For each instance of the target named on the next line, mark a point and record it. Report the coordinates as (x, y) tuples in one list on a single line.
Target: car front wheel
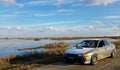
[(94, 59), (113, 54)]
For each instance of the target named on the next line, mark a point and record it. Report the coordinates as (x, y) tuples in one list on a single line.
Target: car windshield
[(87, 44)]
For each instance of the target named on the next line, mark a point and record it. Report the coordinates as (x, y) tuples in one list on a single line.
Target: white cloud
[(11, 2), (18, 28), (7, 15), (5, 28), (11, 28), (51, 28), (43, 14), (41, 2), (7, 1), (91, 27), (98, 22), (111, 17), (18, 31), (51, 2), (20, 5), (117, 21), (71, 2), (60, 1), (65, 10), (117, 29), (48, 29), (53, 31), (98, 2)]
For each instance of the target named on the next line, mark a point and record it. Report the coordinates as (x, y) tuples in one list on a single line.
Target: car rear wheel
[(94, 60)]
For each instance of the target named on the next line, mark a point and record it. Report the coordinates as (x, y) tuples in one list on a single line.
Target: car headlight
[(85, 55)]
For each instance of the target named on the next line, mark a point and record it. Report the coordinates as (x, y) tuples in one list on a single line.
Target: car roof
[(94, 39)]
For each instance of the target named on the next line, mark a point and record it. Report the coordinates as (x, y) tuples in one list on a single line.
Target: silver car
[(90, 51)]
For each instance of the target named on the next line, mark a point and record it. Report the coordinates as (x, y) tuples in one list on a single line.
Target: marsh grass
[(28, 61), (33, 59), (75, 38), (117, 44), (44, 58), (37, 39), (56, 45), (48, 46)]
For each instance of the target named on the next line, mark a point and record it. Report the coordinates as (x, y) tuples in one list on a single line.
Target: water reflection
[(10, 47)]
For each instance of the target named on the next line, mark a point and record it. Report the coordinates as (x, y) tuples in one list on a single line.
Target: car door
[(101, 50), (108, 47)]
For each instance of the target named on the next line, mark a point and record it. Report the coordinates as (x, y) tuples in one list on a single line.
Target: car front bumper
[(73, 58)]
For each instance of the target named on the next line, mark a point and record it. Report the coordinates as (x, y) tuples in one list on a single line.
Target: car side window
[(106, 43), (101, 44)]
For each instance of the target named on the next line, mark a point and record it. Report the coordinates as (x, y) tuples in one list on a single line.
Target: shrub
[(37, 39), (117, 44), (56, 45)]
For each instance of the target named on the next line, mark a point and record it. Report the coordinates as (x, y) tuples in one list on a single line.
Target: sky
[(59, 18)]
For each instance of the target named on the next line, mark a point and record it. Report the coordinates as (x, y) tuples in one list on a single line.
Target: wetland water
[(10, 47)]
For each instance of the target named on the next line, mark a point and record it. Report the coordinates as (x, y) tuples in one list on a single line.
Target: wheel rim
[(113, 54), (95, 60)]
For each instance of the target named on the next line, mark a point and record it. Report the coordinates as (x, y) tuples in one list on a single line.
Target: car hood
[(75, 50)]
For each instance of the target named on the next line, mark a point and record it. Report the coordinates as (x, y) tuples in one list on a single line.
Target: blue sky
[(41, 18)]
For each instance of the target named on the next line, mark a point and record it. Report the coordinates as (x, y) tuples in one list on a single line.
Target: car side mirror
[(77, 45)]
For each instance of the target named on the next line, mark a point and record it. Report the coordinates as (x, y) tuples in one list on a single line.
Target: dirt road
[(105, 64)]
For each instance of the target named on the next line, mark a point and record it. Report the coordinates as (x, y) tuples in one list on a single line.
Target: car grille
[(74, 58), (72, 55)]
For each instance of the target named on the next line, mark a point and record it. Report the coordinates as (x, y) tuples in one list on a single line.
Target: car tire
[(113, 54), (94, 59)]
